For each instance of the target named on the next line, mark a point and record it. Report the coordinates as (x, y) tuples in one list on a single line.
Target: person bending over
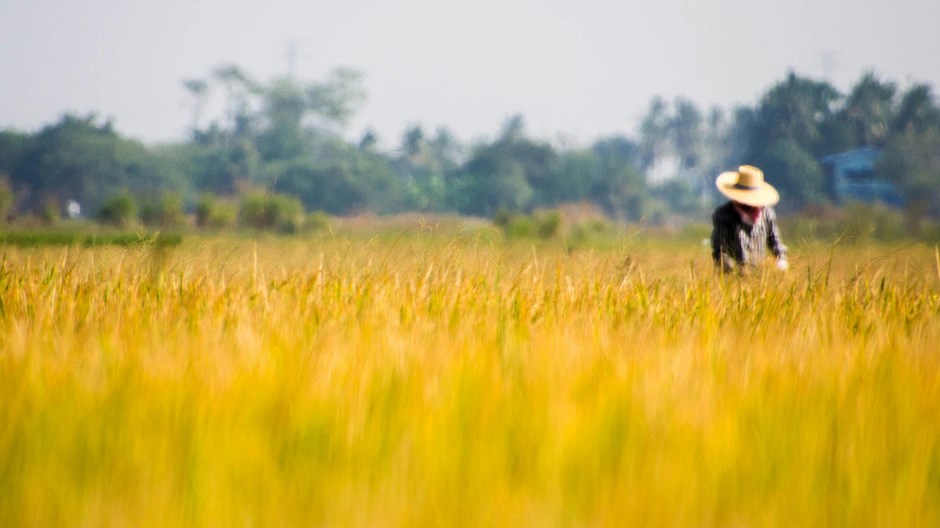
[(746, 226)]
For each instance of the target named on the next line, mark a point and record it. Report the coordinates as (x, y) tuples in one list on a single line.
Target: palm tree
[(199, 90), (795, 109)]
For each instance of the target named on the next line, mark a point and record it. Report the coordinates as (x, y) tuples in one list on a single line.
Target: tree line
[(278, 148)]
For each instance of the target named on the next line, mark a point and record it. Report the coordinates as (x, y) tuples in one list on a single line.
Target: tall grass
[(428, 381)]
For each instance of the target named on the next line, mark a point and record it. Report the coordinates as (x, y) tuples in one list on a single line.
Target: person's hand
[(782, 264)]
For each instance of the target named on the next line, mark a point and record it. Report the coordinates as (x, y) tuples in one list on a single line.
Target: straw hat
[(747, 186)]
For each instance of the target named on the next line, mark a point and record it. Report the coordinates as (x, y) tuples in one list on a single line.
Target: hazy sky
[(577, 69)]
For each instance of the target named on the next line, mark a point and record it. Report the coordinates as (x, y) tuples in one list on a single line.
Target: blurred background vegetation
[(278, 157)]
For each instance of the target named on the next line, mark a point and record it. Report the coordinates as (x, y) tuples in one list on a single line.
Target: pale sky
[(574, 69)]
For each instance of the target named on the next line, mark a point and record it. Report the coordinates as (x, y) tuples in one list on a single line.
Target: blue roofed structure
[(852, 178)]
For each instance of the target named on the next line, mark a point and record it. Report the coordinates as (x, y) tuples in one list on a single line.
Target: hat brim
[(762, 196)]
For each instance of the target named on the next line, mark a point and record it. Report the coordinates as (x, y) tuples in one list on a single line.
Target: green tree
[(911, 160), (165, 211), (576, 171), (720, 145), (618, 184), (80, 159), (513, 173), (445, 153), (321, 188), (212, 212), (240, 88), (12, 147), (7, 199), (678, 195), (740, 139), (868, 111), (415, 168), (369, 141), (917, 111), (267, 123), (283, 136), (423, 166), (224, 168), (686, 130), (654, 133), (119, 210), (796, 110), (335, 100), (489, 185), (198, 89), (413, 143), (263, 210), (795, 173)]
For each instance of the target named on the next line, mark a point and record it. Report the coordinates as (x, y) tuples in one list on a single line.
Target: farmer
[(745, 226)]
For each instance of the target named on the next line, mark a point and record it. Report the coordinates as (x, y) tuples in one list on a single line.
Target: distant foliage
[(119, 210), (167, 211), (70, 238), (541, 224), (912, 160), (216, 213), (262, 210), (289, 136), (83, 160), (855, 223), (50, 212), (6, 198), (796, 173), (316, 221)]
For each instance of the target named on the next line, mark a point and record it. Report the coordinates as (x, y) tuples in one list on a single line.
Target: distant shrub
[(50, 213), (544, 225), (6, 198), (211, 212), (119, 210), (854, 223), (520, 226), (285, 213), (63, 238), (593, 232), (253, 210), (502, 217), (317, 221), (889, 223), (167, 211), (656, 211), (547, 224), (204, 209), (261, 210)]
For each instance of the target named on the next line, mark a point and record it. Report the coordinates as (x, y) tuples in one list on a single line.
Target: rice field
[(462, 380)]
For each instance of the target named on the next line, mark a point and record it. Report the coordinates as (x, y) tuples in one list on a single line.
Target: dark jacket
[(735, 243)]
